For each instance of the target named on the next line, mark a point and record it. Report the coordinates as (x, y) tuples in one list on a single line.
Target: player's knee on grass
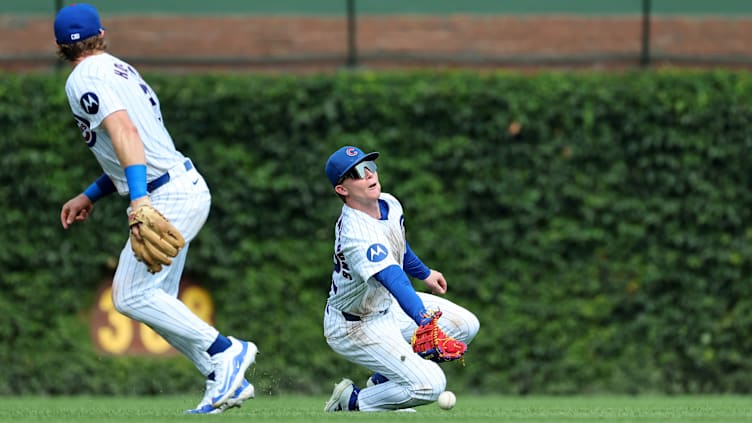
[(428, 388)]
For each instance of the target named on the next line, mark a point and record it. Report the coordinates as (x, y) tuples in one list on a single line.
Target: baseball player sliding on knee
[(372, 266), (121, 122)]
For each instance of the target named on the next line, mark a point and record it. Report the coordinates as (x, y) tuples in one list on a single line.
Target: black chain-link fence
[(295, 35)]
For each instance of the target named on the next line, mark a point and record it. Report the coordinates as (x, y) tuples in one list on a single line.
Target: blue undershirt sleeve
[(413, 265), (396, 281), (102, 187)]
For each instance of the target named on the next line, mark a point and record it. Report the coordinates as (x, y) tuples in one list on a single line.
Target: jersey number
[(340, 266), (155, 107)]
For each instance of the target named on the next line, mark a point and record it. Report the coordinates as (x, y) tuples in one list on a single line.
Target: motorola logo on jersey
[(376, 253), (90, 103)]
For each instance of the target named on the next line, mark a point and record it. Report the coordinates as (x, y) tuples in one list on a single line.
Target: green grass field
[(308, 409)]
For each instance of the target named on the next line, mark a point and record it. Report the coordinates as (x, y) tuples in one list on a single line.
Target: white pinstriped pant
[(381, 343), (152, 298), (376, 343)]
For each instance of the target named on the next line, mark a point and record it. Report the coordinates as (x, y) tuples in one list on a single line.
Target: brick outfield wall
[(321, 44)]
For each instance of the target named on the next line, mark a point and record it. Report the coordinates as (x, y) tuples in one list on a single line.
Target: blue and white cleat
[(229, 369), (244, 392), (205, 406)]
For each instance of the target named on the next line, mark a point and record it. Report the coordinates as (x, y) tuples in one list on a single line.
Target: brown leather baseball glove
[(160, 240)]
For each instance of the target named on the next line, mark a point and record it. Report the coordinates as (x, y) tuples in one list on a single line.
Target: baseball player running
[(120, 118), (372, 261)]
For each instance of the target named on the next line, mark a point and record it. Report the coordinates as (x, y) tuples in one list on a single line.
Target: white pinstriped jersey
[(102, 84), (363, 246)]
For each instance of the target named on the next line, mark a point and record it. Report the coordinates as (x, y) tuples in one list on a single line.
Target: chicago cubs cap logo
[(376, 253), (90, 103), (352, 151)]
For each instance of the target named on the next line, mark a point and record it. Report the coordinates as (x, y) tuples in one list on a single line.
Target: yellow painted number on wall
[(199, 301), (116, 333), (117, 337)]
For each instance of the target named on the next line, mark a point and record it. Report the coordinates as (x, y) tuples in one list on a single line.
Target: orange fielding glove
[(431, 343)]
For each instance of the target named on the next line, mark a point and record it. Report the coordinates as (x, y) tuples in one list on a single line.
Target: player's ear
[(340, 189)]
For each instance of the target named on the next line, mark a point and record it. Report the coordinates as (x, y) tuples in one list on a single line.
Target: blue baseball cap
[(76, 22), (342, 160)]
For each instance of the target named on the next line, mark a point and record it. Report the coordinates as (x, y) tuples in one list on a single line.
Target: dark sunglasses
[(359, 170)]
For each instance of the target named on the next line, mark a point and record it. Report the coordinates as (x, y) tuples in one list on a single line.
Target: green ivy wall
[(599, 225)]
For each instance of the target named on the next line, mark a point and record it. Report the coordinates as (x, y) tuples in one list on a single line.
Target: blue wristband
[(102, 187), (136, 176)]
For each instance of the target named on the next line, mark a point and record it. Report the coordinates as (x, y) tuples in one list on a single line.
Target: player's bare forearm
[(127, 144), (125, 139)]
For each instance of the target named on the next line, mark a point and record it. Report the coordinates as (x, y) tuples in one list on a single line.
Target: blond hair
[(71, 52)]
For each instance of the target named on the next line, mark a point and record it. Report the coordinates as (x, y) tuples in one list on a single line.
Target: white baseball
[(447, 400)]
